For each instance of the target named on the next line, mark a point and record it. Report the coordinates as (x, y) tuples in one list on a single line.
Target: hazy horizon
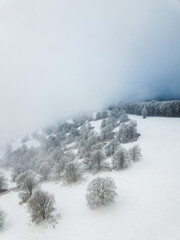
[(59, 58)]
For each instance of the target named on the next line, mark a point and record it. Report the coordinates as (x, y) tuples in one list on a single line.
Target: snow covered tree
[(112, 121), (135, 153), (22, 176), (59, 167), (44, 170), (3, 183), (2, 218), (127, 132), (96, 162), (124, 118), (120, 159), (72, 172), (106, 132), (144, 112), (103, 123), (27, 187), (41, 205), (111, 147), (100, 191)]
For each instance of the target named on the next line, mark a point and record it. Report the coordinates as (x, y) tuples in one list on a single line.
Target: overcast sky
[(60, 57)]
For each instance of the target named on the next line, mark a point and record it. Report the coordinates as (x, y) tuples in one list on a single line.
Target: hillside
[(148, 199)]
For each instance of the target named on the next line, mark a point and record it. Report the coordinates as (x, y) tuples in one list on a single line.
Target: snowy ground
[(147, 206)]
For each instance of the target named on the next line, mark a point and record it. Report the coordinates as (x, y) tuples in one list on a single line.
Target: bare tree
[(41, 205), (27, 188)]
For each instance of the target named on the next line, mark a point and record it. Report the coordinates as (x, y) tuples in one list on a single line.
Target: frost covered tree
[(45, 170), (111, 147), (124, 118), (96, 162), (120, 159), (2, 218), (127, 132), (106, 132), (112, 121), (100, 191), (41, 205), (27, 187), (135, 153), (72, 172), (144, 112), (59, 167), (3, 183), (103, 123), (22, 176)]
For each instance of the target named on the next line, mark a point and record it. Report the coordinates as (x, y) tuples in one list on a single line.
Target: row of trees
[(154, 108)]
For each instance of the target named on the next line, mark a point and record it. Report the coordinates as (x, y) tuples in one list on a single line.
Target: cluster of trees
[(154, 108), (56, 158)]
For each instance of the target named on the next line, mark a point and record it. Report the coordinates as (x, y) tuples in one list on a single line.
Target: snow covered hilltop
[(68, 156)]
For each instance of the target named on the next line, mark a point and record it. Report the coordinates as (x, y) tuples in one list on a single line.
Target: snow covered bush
[(111, 147), (100, 191), (2, 218), (72, 172), (41, 205), (144, 112), (121, 159), (135, 153), (3, 183)]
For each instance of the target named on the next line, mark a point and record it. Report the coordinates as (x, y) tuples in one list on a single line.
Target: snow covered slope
[(147, 206)]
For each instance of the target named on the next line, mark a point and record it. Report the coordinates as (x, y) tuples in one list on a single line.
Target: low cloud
[(58, 58)]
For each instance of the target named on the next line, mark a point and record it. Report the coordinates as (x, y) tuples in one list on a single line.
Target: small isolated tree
[(3, 183), (41, 205), (135, 153), (72, 172), (120, 159), (144, 112), (27, 187), (100, 191), (2, 218)]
